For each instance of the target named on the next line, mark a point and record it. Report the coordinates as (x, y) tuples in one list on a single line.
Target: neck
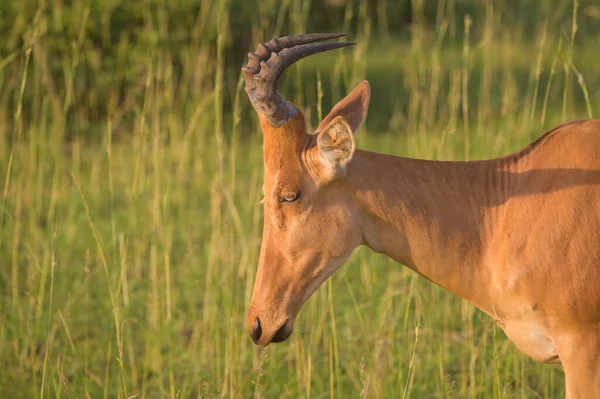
[(434, 217)]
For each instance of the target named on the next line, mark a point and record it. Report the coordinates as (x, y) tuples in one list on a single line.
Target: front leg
[(579, 352)]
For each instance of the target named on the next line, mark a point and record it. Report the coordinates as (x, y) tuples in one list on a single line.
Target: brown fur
[(518, 236)]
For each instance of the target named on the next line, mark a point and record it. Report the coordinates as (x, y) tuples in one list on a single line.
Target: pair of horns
[(268, 62)]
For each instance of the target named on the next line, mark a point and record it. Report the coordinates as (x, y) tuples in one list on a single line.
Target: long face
[(311, 224), (310, 228)]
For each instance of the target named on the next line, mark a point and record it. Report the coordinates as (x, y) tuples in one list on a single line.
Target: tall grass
[(128, 257)]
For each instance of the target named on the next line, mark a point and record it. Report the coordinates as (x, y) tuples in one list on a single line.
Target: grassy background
[(131, 164)]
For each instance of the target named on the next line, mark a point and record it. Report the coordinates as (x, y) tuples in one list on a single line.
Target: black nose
[(256, 331), (283, 333)]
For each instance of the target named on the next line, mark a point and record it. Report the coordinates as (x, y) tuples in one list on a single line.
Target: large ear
[(336, 146), (353, 108)]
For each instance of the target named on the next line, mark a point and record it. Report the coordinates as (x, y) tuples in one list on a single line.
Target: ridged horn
[(267, 63)]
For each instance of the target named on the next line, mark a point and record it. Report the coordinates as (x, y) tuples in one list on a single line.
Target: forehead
[(282, 151), (288, 173)]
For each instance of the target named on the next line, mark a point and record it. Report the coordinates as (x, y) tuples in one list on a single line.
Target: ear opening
[(336, 144), (353, 108)]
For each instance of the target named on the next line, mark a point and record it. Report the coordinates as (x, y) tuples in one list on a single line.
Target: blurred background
[(130, 166)]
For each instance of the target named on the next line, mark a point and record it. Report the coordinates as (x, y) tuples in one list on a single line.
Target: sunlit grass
[(130, 254)]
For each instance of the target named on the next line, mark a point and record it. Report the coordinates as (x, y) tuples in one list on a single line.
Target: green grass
[(128, 253)]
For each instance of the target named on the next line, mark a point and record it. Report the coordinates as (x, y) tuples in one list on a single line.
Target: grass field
[(128, 252)]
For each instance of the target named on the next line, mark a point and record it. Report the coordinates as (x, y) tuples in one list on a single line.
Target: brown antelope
[(517, 236)]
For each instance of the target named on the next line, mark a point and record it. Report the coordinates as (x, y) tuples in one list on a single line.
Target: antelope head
[(311, 226)]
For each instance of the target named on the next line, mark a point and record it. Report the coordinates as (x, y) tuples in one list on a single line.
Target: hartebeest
[(517, 236)]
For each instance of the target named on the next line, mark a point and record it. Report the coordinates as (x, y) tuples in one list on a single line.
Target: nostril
[(283, 333), (256, 331)]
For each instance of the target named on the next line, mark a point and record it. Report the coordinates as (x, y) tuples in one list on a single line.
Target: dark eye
[(290, 197)]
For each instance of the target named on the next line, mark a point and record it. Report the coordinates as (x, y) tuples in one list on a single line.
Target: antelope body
[(517, 236)]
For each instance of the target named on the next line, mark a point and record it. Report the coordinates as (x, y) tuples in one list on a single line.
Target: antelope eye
[(290, 197)]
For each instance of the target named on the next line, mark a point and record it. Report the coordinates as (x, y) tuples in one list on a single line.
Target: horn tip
[(336, 35)]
